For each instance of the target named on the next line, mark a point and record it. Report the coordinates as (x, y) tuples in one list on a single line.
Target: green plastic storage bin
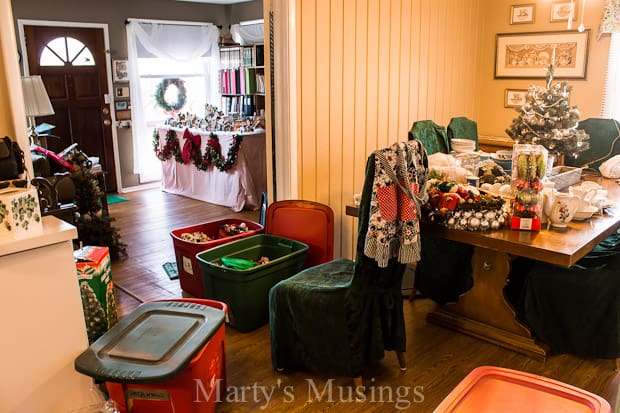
[(246, 291)]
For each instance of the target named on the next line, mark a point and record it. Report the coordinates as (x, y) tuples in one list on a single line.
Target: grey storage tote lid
[(152, 344)]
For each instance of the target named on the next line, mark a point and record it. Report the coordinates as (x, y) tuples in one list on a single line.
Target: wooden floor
[(437, 358)]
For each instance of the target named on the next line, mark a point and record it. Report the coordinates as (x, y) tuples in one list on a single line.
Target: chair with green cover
[(463, 128), (433, 136), (604, 143), (338, 317)]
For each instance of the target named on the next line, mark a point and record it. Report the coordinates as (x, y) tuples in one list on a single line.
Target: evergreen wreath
[(160, 92), (171, 147), (213, 157)]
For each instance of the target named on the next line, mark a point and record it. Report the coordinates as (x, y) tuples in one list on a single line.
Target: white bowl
[(585, 213)]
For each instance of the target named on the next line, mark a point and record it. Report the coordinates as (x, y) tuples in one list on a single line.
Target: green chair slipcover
[(576, 310), (433, 137), (336, 318), (462, 128), (604, 142)]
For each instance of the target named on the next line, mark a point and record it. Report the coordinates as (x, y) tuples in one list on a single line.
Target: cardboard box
[(20, 214), (94, 272)]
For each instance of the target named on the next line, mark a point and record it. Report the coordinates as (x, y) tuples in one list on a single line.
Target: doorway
[(73, 64)]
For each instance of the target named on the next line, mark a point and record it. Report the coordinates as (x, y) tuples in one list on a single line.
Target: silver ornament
[(451, 222), (474, 223), (484, 225), (495, 224), (478, 215), (463, 222), (490, 215), (467, 214), (501, 220)]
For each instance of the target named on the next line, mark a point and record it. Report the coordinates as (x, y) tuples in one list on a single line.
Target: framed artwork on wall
[(514, 98), (562, 10), (522, 13), (119, 68), (528, 55)]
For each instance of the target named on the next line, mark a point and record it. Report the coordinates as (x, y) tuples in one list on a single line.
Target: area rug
[(115, 199), (171, 270)]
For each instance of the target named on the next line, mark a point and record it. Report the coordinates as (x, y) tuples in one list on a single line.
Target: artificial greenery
[(212, 155), (548, 119), (162, 88), (94, 227)]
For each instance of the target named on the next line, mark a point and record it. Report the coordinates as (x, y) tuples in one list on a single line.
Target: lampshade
[(36, 101)]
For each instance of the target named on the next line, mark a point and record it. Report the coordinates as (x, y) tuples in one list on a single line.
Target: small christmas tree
[(547, 119), (94, 227)]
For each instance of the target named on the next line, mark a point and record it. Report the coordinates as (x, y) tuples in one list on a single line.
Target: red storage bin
[(185, 251), (176, 365), (495, 389)]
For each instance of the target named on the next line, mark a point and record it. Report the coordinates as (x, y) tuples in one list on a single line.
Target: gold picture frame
[(522, 13), (560, 11), (514, 98), (528, 55)]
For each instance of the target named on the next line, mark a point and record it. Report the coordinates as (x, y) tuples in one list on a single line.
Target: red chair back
[(306, 221)]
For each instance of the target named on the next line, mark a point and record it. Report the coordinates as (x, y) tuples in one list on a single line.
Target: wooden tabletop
[(557, 246)]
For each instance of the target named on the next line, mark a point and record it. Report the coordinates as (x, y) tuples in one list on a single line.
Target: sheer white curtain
[(248, 34), (173, 49), (611, 96)]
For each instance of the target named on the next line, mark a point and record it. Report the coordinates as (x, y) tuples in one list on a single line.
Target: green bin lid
[(152, 344)]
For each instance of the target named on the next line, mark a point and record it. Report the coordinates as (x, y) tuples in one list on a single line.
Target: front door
[(72, 64)]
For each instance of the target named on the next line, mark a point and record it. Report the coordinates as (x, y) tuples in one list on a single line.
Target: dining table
[(239, 187), (484, 311)]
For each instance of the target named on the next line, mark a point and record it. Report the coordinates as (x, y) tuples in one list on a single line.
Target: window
[(66, 50), (175, 50)]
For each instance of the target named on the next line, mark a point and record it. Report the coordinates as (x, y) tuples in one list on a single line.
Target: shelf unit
[(242, 79)]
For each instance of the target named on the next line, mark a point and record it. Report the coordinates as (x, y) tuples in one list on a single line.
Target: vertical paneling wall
[(366, 70)]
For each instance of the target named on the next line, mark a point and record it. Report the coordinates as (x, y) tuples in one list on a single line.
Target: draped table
[(483, 311), (240, 186)]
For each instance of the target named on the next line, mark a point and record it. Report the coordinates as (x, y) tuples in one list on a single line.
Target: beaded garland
[(160, 92), (211, 157)]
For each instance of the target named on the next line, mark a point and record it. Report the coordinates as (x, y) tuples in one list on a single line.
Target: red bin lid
[(495, 389), (152, 344)]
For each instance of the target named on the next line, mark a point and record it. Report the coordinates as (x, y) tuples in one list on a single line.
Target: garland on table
[(160, 92), (171, 147), (191, 150), (213, 156)]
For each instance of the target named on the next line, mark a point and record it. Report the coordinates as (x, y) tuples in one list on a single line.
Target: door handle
[(107, 122), (106, 111)]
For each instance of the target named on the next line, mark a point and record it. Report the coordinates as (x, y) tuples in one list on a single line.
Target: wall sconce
[(37, 103)]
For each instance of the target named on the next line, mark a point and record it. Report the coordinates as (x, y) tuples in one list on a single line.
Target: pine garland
[(211, 157)]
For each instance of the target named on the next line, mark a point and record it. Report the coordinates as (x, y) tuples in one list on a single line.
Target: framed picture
[(121, 105), (119, 68), (522, 13), (514, 98), (562, 10), (528, 55), (121, 92)]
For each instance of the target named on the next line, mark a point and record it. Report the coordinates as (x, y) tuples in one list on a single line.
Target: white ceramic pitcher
[(560, 207)]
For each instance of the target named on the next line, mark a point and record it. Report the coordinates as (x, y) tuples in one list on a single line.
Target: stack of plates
[(463, 145)]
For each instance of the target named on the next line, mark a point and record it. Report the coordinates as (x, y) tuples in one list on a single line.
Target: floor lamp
[(37, 103)]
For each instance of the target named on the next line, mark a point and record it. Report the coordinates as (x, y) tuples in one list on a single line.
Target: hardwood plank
[(437, 358)]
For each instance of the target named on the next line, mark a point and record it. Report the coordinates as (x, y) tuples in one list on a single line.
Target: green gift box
[(94, 272)]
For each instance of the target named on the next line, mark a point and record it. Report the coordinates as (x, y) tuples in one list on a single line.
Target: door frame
[(108, 65)]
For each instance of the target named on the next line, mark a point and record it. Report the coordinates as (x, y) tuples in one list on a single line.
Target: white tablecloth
[(239, 187)]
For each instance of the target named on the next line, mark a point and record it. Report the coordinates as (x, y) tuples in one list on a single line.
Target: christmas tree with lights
[(546, 118)]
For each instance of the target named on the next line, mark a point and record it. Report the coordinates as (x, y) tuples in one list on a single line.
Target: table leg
[(484, 312)]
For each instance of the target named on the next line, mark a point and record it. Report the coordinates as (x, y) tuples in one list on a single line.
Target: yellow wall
[(367, 70), (492, 117), (12, 112)]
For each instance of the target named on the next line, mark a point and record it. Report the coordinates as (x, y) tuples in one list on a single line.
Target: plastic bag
[(98, 404), (611, 167)]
